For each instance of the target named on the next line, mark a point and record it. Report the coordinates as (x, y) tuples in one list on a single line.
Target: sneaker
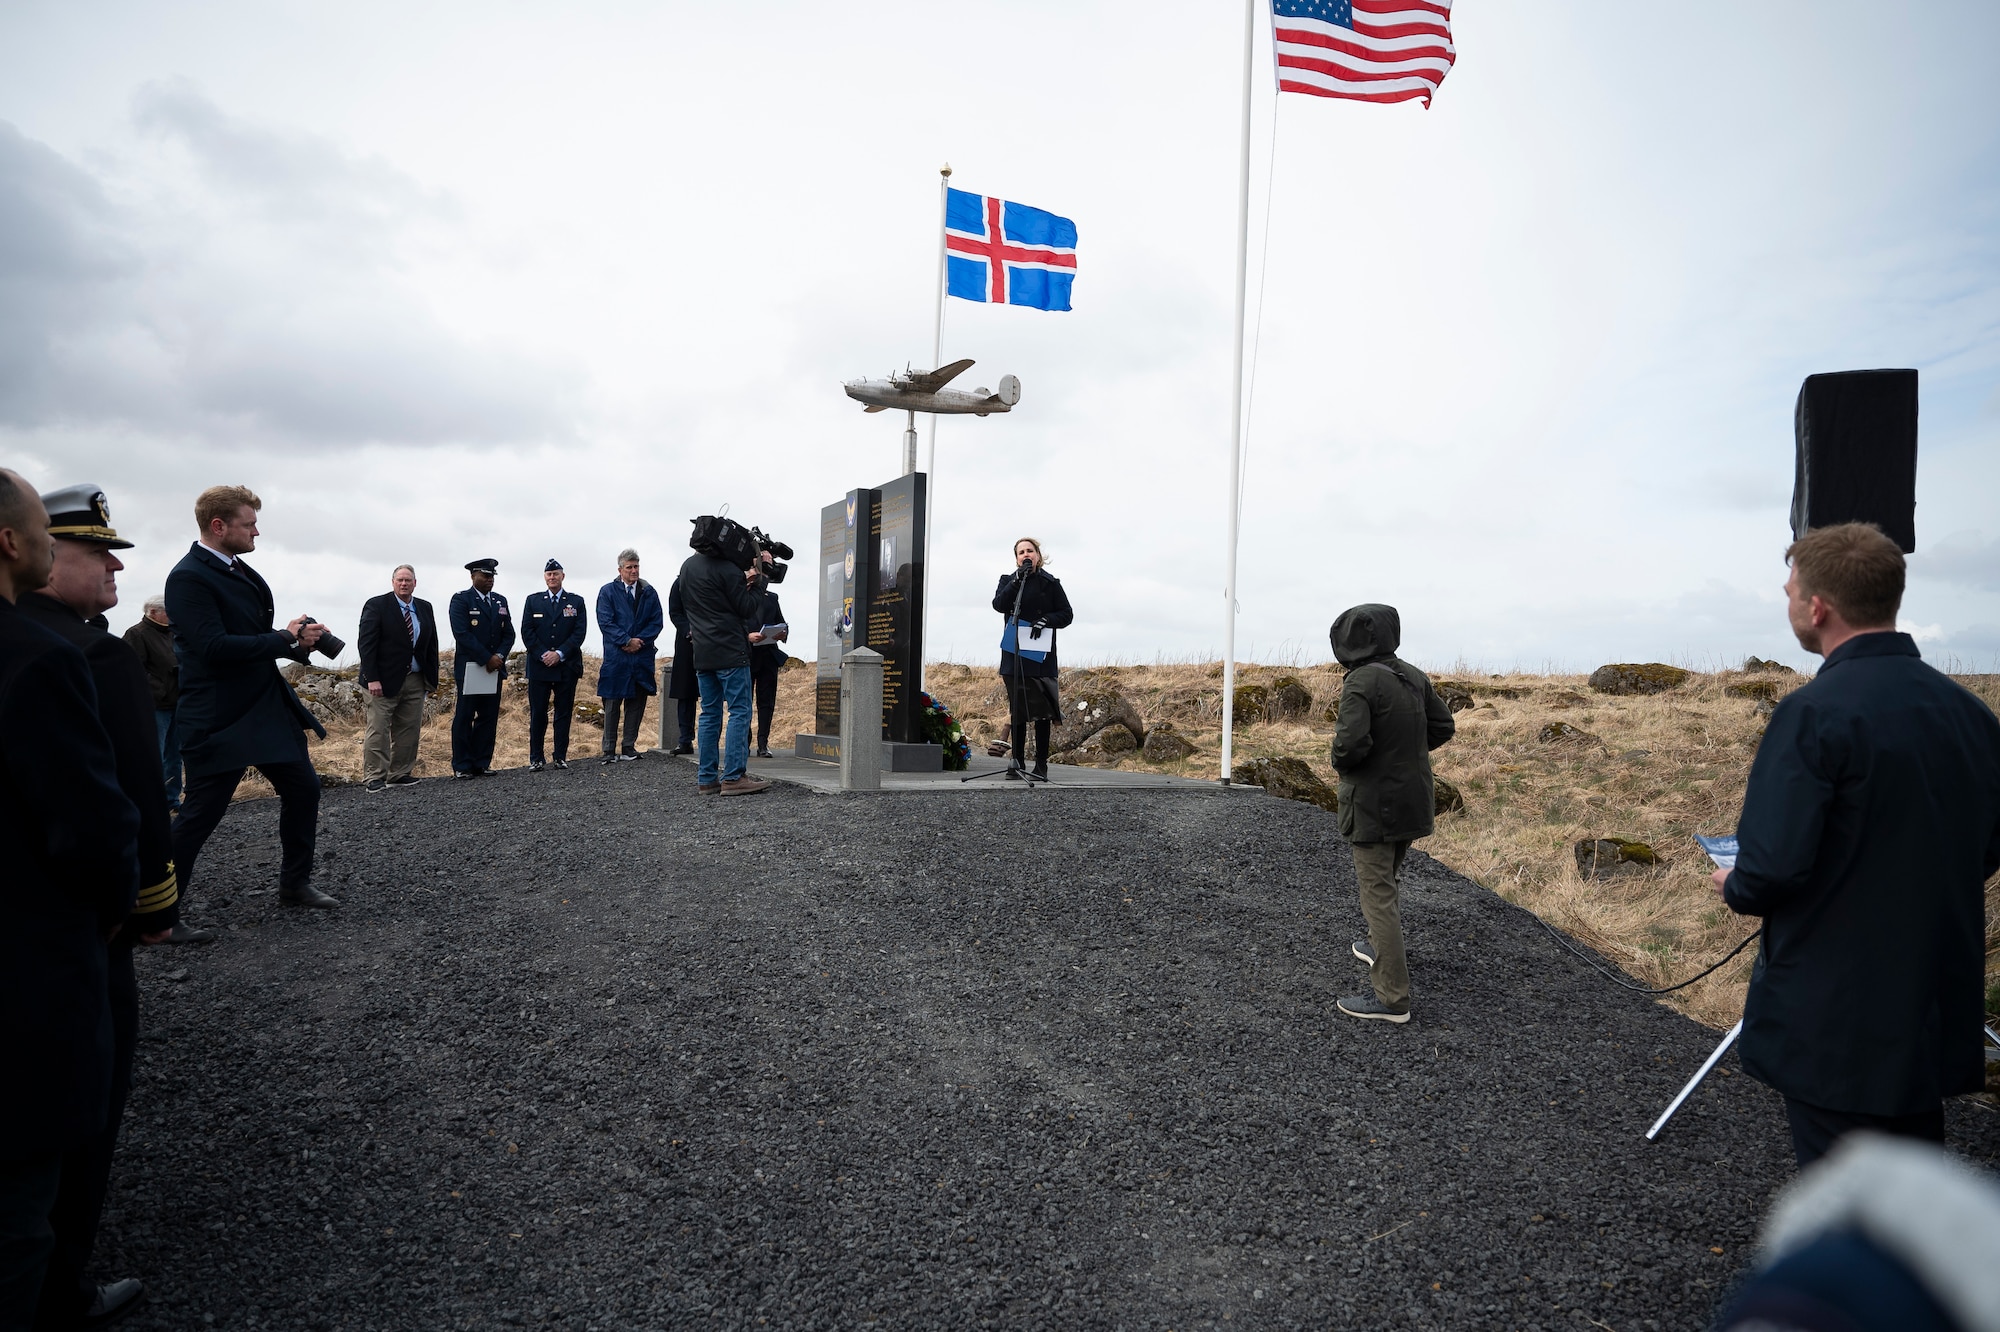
[(609, 758), (376, 784), (626, 758), (535, 766), (1368, 1006), (404, 780), (1362, 950), (562, 765), (745, 785)]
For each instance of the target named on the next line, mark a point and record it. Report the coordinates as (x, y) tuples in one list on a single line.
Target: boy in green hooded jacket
[(1390, 719)]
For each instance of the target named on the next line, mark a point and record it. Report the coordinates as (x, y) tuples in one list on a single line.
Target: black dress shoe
[(536, 766), (112, 1302), (763, 753), (184, 933), (682, 749), (463, 775), (307, 896), (563, 764), (1042, 769)]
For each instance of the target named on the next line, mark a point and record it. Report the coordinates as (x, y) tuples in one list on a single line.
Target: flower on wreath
[(942, 729)]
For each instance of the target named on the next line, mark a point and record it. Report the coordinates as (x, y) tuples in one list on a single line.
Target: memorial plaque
[(843, 572), (893, 598)]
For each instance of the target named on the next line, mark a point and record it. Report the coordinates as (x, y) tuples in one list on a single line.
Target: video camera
[(739, 545), (776, 549)]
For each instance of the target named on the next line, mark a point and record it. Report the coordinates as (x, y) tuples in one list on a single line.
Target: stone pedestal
[(861, 720)]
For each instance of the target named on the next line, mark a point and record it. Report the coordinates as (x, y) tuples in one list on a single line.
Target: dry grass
[(1659, 770)]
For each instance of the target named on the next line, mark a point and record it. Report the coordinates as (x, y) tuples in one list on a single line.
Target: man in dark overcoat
[(554, 624), (236, 710), (681, 685), (630, 616), (1870, 825), (1390, 719), (72, 875), (482, 628), (82, 586), (152, 638)]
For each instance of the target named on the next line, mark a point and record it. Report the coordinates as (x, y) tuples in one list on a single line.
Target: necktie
[(410, 623)]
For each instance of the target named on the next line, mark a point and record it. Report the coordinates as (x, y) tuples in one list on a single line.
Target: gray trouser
[(1376, 865), (634, 712), (395, 724)]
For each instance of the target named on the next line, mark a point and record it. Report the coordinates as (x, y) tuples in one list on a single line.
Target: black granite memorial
[(871, 567)]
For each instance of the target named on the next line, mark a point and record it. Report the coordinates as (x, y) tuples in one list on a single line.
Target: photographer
[(725, 605), (235, 709), (1870, 825), (1044, 606)]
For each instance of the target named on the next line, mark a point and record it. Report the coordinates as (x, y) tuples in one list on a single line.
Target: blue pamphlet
[(1024, 638), (1721, 850)]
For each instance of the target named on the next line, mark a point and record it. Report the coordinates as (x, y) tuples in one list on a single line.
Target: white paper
[(1024, 634), (480, 680)]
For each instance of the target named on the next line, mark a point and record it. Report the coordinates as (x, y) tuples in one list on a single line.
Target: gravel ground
[(587, 1051)]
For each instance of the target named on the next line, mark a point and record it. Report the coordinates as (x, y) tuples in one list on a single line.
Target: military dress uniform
[(552, 622), (482, 628)]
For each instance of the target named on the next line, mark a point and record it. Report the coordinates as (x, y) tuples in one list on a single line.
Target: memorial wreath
[(942, 729)]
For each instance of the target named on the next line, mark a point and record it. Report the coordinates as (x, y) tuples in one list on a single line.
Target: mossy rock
[(1164, 744), (1567, 698), (1252, 705), (1562, 733), (1289, 698), (1115, 740), (1288, 779), (1600, 857), (795, 664), (1764, 690), (1754, 664), (1650, 677), (1446, 796), (1456, 695), (1089, 706), (590, 711)]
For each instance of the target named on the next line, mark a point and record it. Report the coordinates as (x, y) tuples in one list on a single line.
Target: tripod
[(1015, 768)]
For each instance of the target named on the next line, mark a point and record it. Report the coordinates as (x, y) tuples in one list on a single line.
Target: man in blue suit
[(235, 709), (483, 629), (553, 625)]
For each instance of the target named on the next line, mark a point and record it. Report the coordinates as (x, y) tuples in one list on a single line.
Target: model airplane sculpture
[(925, 391)]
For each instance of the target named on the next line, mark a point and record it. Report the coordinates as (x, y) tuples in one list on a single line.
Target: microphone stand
[(1020, 771)]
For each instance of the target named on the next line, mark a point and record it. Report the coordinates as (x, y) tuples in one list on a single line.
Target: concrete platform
[(825, 778)]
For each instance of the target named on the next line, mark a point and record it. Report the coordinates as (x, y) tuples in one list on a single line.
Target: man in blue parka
[(482, 627), (631, 617), (1870, 826)]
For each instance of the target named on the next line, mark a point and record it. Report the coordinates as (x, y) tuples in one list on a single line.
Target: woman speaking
[(1028, 658)]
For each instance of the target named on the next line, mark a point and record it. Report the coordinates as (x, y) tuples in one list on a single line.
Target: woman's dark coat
[(1043, 601), (1390, 719), (1870, 826), (681, 682)]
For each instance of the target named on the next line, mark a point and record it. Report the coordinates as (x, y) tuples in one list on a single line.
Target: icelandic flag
[(1007, 253)]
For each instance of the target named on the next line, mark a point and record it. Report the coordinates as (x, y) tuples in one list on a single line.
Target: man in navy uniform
[(72, 836), (483, 629), (553, 625), (83, 584), (236, 709)]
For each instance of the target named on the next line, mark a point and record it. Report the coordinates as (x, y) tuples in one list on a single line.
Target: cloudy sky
[(457, 280)]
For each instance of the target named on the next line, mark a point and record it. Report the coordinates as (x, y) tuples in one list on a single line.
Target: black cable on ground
[(1618, 978)]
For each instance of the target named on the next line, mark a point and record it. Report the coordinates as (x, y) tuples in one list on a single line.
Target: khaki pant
[(1376, 867), (395, 723)]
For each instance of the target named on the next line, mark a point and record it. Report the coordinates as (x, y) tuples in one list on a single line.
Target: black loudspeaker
[(1857, 453)]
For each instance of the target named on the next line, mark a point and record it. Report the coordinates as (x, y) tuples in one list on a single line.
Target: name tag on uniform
[(536, 616)]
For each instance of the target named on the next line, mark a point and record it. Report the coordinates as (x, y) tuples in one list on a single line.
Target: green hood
[(1363, 633)]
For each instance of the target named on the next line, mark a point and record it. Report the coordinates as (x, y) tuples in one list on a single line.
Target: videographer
[(725, 605), (235, 709), (1870, 825), (1044, 606)]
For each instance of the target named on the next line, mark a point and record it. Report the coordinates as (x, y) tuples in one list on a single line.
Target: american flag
[(1369, 50)]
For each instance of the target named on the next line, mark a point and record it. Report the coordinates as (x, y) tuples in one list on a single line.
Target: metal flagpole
[(1236, 406), (937, 359)]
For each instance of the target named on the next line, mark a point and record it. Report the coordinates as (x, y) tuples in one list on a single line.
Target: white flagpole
[(1236, 407), (937, 359)]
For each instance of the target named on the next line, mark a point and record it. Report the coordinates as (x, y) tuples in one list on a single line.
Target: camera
[(328, 646), (776, 549)]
